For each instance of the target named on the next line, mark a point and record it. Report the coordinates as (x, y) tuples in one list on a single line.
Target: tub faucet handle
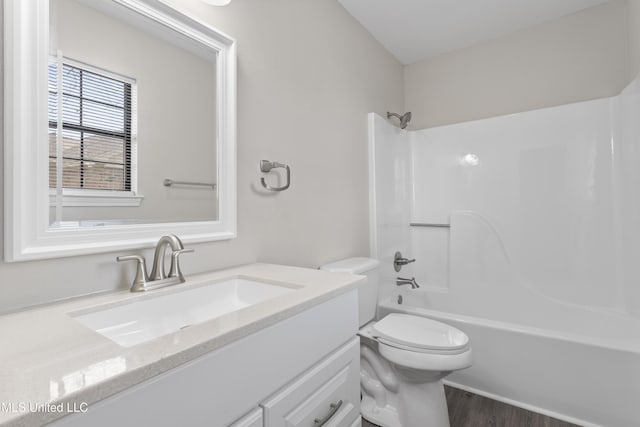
[(399, 261)]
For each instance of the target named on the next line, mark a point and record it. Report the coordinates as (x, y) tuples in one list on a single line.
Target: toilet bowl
[(403, 359)]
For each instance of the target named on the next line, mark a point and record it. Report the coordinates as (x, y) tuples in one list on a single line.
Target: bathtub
[(582, 379)]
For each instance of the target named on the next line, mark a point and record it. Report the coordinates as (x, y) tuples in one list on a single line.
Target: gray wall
[(633, 15), (307, 76), (575, 58)]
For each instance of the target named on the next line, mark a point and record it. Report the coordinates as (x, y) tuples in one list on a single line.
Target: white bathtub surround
[(55, 359), (403, 358), (541, 250), (390, 176)]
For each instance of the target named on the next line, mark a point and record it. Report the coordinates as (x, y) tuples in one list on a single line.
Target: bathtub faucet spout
[(402, 281)]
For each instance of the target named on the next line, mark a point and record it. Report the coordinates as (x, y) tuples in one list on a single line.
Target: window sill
[(91, 198)]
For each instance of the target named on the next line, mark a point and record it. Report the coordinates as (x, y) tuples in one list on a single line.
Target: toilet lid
[(419, 332)]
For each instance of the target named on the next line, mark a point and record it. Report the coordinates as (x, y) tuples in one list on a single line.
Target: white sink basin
[(143, 320)]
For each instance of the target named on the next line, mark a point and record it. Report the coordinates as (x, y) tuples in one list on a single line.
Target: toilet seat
[(420, 334), (419, 350), (420, 343)]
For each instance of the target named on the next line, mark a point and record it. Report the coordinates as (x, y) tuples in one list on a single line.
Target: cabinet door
[(327, 395), (252, 419)]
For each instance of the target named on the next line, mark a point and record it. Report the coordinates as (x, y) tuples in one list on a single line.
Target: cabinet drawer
[(327, 395)]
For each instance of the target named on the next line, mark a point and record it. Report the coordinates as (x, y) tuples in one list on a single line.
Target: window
[(97, 116)]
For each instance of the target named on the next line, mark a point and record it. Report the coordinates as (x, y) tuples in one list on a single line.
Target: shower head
[(404, 119)]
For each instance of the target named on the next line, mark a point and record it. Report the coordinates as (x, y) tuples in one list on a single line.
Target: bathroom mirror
[(119, 127)]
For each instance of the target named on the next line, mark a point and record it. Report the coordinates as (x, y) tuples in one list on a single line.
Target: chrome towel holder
[(266, 166)]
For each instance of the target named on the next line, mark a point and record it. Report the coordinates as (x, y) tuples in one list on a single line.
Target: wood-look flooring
[(471, 410)]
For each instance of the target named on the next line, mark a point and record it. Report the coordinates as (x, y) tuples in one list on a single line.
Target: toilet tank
[(367, 292)]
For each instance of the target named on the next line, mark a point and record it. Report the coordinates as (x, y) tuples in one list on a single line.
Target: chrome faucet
[(158, 278), (177, 249), (402, 281)]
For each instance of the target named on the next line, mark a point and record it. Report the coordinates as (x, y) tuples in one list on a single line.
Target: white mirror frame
[(26, 196)]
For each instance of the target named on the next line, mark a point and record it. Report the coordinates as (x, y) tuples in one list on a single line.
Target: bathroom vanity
[(289, 360)]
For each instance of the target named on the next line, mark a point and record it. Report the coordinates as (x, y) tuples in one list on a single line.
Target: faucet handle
[(175, 271), (140, 281), (399, 261)]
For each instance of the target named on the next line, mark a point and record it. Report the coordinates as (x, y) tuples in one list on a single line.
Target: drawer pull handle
[(333, 408)]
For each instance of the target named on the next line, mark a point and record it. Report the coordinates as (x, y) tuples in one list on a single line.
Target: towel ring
[(266, 166)]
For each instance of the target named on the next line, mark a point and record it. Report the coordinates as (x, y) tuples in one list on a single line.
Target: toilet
[(403, 358)]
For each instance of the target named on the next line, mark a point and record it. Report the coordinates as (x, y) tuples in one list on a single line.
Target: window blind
[(96, 130)]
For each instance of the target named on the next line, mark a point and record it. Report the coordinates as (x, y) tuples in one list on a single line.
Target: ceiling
[(413, 30)]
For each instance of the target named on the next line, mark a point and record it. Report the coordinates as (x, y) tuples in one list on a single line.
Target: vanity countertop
[(49, 359)]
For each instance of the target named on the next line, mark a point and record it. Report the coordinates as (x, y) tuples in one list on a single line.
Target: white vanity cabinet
[(287, 374), (326, 395)]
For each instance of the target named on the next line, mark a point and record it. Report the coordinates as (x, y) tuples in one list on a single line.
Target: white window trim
[(77, 197), (97, 70), (82, 197)]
